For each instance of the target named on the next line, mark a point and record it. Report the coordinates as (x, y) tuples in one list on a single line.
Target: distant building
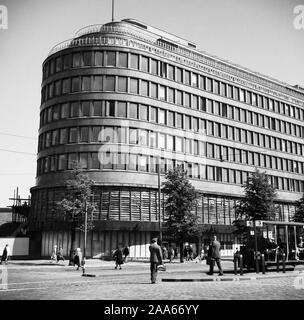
[(119, 95)]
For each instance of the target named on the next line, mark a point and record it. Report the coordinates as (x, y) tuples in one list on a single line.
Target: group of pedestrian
[(57, 255), (120, 255), (188, 252)]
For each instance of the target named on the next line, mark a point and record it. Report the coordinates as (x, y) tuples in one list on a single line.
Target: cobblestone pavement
[(133, 282)]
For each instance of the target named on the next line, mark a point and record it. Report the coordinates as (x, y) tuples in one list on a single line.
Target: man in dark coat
[(215, 256), (155, 258)]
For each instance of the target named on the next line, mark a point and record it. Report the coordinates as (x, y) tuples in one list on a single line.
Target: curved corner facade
[(121, 97)]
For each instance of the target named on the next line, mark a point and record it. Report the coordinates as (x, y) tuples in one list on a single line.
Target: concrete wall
[(17, 246)]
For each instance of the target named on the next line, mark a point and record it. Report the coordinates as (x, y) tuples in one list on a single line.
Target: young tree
[(258, 201), (76, 204), (299, 214), (181, 223)]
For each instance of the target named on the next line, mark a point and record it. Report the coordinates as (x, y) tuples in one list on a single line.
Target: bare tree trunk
[(73, 243), (181, 250)]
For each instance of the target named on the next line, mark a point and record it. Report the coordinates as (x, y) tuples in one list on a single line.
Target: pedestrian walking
[(54, 254), (5, 254), (60, 254), (118, 256), (190, 250), (214, 255), (78, 258), (171, 254), (155, 258), (164, 252), (126, 252)]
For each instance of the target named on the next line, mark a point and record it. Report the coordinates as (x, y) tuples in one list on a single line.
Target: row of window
[(143, 163), (130, 110), (146, 88), (162, 69), (98, 134)]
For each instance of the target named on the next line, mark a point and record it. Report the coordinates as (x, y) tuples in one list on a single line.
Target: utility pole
[(85, 234)]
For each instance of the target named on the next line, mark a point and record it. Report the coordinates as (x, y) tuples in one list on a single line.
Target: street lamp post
[(159, 206), (85, 234), (256, 248)]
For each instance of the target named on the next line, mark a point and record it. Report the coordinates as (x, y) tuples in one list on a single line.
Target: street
[(58, 281)]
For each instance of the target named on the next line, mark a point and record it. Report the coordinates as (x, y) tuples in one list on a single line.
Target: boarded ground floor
[(101, 244)]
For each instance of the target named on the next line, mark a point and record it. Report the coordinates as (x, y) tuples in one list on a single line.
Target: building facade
[(122, 96)]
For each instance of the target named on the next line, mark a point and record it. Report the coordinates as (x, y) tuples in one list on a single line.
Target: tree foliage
[(77, 199), (257, 203), (181, 222), (299, 214)]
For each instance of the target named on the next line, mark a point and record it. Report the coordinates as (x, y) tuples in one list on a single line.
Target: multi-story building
[(120, 96)]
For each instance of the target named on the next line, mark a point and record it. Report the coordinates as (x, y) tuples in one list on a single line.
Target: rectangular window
[(73, 137), (216, 88), (162, 93), (144, 65), (62, 162), (194, 80), (95, 134), (122, 109), (111, 108), (97, 83), (144, 88), (98, 58), (86, 83), (134, 61), (143, 112), (58, 88), (209, 84), (122, 84), (152, 138), (76, 60), (161, 116), (171, 118), (84, 134), (195, 102), (75, 84), (143, 163), (97, 108), (66, 62), (179, 75), (153, 90), (133, 111), (179, 97), (85, 108), (178, 144), (170, 145), (64, 111), (161, 141), (187, 77), (187, 100), (109, 84), (153, 114), (110, 59), (63, 136), (154, 66), (95, 164), (171, 72), (171, 95), (143, 137), (187, 122), (179, 120), (133, 136), (65, 86), (75, 106), (87, 58), (134, 86), (122, 59)]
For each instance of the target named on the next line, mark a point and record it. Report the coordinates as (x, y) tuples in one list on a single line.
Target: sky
[(259, 35)]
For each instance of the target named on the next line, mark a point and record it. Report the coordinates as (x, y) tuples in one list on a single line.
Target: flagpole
[(112, 10)]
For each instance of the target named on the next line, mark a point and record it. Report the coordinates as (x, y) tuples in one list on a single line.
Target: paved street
[(58, 281)]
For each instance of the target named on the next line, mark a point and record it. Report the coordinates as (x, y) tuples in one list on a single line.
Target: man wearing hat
[(155, 258)]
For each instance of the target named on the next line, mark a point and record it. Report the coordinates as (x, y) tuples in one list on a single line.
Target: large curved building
[(120, 96)]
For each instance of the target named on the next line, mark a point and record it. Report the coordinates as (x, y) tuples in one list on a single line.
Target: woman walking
[(118, 256)]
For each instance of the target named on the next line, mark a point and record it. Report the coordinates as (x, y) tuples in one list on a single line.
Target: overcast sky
[(256, 34)]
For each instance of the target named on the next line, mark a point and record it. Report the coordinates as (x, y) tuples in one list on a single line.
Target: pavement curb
[(240, 278)]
